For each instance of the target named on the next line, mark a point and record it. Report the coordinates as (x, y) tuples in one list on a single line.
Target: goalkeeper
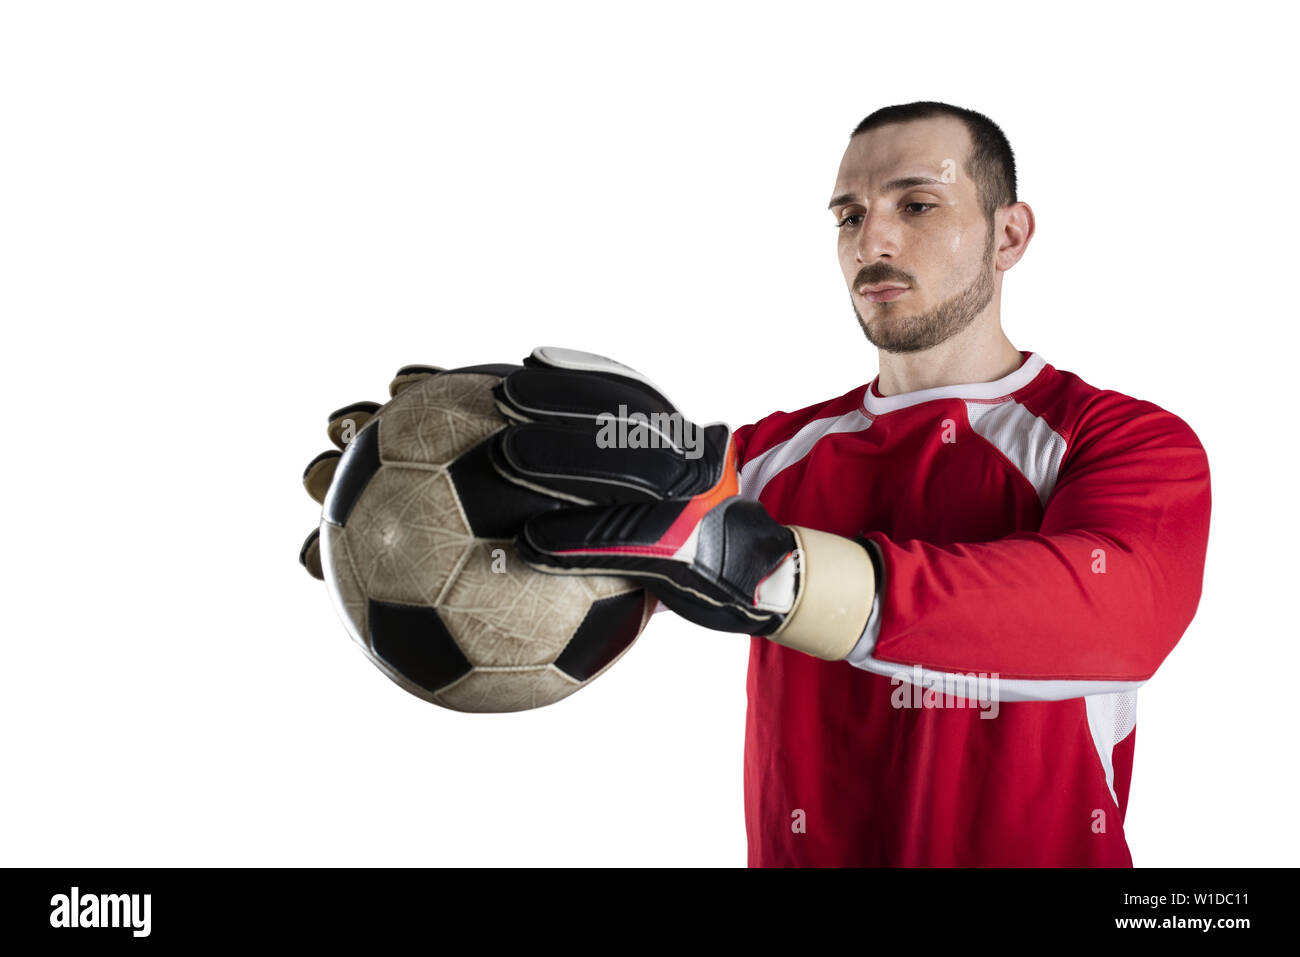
[(957, 575)]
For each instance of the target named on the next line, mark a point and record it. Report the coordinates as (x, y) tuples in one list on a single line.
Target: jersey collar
[(876, 404)]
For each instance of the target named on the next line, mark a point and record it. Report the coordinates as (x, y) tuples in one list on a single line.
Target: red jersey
[(1040, 545)]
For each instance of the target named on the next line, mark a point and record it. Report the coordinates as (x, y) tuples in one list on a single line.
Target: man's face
[(913, 233)]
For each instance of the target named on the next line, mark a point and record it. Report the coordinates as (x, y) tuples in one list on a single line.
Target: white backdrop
[(220, 221)]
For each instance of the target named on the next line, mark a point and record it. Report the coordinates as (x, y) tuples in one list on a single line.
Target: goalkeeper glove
[(657, 499)]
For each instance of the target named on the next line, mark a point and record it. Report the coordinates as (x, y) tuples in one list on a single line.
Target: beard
[(927, 330)]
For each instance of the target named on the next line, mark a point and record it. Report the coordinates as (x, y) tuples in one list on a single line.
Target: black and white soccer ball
[(416, 548)]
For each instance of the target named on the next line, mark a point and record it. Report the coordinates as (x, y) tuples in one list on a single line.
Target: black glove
[(659, 503)]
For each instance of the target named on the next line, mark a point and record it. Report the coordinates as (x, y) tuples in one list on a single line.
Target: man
[(1030, 526), (957, 575)]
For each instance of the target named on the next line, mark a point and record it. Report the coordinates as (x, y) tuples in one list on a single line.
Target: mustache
[(877, 273)]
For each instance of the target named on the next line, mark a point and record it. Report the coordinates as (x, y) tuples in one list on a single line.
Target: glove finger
[(346, 422), (607, 538), (643, 542), (566, 395), (408, 376), (610, 464), (552, 357), (638, 535), (309, 555), (319, 473)]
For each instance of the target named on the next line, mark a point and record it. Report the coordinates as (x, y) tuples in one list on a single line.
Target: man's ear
[(1015, 227)]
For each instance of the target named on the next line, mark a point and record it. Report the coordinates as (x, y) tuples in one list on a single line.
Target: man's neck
[(975, 355)]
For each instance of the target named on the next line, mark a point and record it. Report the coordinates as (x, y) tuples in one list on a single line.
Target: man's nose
[(877, 238)]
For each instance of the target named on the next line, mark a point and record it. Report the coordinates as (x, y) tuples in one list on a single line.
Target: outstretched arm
[(1092, 602), (1089, 603)]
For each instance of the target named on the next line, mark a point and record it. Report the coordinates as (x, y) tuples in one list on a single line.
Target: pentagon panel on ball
[(416, 546)]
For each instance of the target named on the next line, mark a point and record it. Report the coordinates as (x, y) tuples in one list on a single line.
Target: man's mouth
[(881, 293)]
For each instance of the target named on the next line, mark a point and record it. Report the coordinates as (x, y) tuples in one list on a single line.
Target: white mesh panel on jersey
[(1025, 439), (1111, 719)]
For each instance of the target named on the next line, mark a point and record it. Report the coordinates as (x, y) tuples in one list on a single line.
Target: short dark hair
[(991, 164)]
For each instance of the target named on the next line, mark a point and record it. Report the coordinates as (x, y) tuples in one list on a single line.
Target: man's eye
[(846, 221), (920, 212)]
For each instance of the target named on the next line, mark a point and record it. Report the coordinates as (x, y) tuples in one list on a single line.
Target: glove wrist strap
[(837, 588)]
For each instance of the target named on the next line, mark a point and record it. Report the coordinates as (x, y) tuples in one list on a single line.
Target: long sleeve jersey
[(1039, 546)]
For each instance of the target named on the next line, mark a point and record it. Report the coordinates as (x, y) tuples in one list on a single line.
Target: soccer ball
[(416, 547)]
